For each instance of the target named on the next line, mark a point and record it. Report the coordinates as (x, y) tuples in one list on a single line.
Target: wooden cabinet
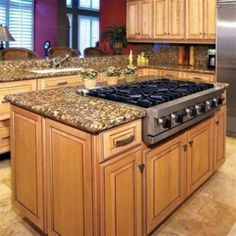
[(121, 195), (27, 165), (201, 19), (201, 77), (153, 72), (220, 138), (169, 16), (200, 154), (170, 73), (69, 180), (165, 173), (11, 88), (140, 19), (4, 136), (56, 82)]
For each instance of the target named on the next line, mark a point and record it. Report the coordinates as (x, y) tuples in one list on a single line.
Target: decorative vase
[(90, 83), (111, 80), (130, 77)]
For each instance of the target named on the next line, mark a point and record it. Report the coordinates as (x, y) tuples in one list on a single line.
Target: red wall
[(112, 12), (45, 24)]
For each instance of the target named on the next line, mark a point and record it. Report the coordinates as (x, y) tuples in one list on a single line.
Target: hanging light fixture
[(5, 36)]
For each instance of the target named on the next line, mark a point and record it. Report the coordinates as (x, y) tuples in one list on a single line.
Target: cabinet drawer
[(11, 88), (201, 77), (152, 72), (170, 73), (56, 82), (120, 139), (4, 136)]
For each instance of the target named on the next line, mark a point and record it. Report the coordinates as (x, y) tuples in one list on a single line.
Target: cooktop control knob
[(164, 122), (178, 117), (200, 108), (191, 112), (209, 104)]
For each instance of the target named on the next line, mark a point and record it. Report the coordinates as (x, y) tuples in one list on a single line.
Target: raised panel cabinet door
[(200, 155), (133, 17), (160, 19), (69, 180), (209, 19), (27, 164), (121, 196), (164, 181), (194, 19), (146, 19), (177, 19), (220, 138)]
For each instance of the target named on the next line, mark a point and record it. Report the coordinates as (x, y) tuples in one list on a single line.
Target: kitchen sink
[(54, 71)]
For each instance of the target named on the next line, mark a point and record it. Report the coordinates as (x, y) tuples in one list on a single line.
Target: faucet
[(56, 62)]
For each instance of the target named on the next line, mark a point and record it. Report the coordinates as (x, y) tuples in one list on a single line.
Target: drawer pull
[(6, 137), (4, 101), (197, 78), (124, 142), (168, 75), (185, 147), (62, 83)]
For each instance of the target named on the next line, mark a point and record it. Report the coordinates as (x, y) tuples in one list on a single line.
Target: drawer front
[(11, 88), (200, 77), (57, 82), (4, 136), (153, 72), (170, 73), (120, 139)]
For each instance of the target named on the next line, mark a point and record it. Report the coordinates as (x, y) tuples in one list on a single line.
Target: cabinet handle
[(124, 142), (4, 101), (191, 143), (6, 137), (141, 168), (169, 75), (62, 83), (197, 78), (185, 147), (217, 122)]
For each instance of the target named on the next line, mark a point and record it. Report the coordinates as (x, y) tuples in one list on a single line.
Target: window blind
[(88, 32), (18, 16)]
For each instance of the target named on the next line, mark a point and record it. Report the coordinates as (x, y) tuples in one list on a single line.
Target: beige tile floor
[(211, 211)]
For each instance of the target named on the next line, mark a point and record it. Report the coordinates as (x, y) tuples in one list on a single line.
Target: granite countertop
[(89, 114)]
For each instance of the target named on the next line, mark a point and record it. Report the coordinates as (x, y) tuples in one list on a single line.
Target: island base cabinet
[(69, 180), (200, 154), (27, 165), (164, 181), (121, 195)]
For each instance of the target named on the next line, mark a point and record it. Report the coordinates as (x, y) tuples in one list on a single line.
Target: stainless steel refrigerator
[(226, 56)]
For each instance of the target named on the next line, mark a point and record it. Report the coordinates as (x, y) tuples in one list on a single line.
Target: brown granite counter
[(92, 115)]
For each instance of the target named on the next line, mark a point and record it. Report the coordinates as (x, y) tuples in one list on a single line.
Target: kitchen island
[(80, 167)]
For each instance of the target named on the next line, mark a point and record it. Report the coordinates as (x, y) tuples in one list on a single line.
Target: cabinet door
[(200, 155), (133, 19), (164, 181), (177, 19), (146, 19), (121, 206), (194, 20), (161, 19), (209, 19), (27, 165), (220, 138), (69, 180)]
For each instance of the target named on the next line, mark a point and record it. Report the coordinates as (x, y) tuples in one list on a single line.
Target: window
[(89, 4), (18, 16), (70, 17), (88, 32), (69, 3)]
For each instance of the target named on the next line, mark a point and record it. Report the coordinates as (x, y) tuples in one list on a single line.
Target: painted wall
[(45, 22)]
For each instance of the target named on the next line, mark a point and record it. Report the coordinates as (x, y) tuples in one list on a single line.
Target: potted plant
[(130, 73), (89, 76), (112, 74), (116, 36)]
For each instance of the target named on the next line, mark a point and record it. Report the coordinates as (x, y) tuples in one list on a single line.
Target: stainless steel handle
[(62, 83), (124, 142)]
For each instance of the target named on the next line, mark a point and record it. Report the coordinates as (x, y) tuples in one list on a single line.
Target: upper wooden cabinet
[(140, 19), (169, 18), (201, 19)]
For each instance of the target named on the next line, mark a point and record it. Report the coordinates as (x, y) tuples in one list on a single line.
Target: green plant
[(130, 69), (88, 74), (113, 71), (116, 36)]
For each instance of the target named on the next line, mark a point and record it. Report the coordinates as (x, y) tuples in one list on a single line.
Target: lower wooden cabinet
[(27, 165), (4, 136), (165, 184), (69, 180), (200, 154), (220, 138)]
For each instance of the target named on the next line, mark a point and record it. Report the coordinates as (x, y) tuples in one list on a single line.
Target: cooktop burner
[(149, 93)]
